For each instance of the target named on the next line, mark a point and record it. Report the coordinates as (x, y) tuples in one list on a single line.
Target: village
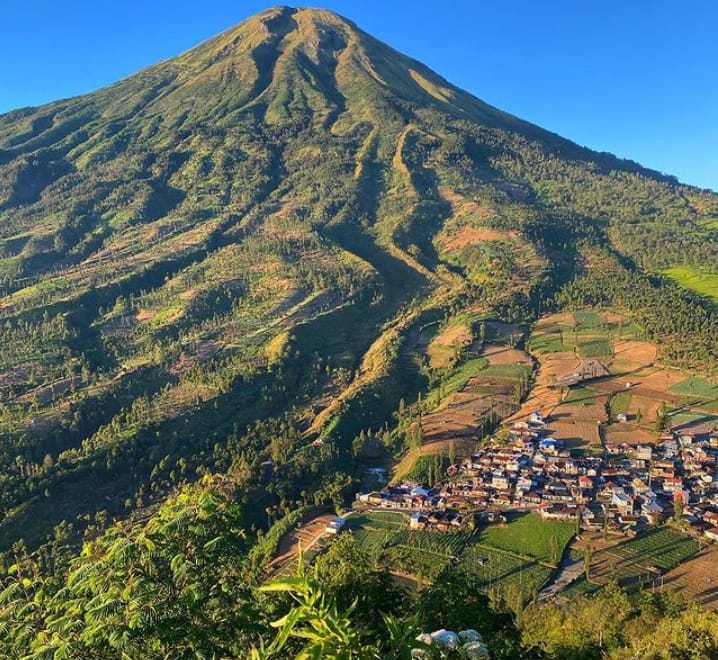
[(626, 489)]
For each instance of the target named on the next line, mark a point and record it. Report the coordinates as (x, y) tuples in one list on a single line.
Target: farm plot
[(479, 388), (644, 558), (527, 535), (420, 553), (588, 319), (415, 563), (625, 434), (577, 434), (697, 389), (449, 544), (696, 579), (498, 355), (700, 280), (489, 569)]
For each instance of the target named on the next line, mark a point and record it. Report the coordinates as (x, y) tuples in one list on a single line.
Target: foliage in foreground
[(179, 585)]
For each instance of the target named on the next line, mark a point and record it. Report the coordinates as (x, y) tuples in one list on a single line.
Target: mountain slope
[(257, 230)]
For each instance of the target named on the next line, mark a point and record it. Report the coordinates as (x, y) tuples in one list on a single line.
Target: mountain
[(228, 258)]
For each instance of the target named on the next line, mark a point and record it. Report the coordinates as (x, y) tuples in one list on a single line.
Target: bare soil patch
[(465, 235), (621, 434), (552, 367), (196, 353), (577, 434), (441, 348), (464, 447), (145, 315), (696, 580), (288, 547), (640, 353), (45, 393), (497, 355)]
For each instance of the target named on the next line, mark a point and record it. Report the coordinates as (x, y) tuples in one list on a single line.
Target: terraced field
[(491, 569), (644, 558), (522, 553), (528, 535)]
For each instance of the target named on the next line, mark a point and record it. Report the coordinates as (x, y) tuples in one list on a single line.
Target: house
[(623, 502), (335, 525), (712, 533), (644, 452), (536, 419), (417, 521), (652, 511)]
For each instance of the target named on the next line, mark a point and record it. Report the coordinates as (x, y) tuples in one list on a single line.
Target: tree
[(678, 507), (587, 555)]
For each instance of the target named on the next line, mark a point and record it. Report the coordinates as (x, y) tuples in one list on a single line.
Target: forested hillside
[(225, 263)]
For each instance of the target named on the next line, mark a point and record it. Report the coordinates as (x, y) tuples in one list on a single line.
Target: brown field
[(305, 537), (197, 353), (640, 353), (660, 380), (597, 541), (45, 393), (504, 355), (462, 206), (461, 414), (552, 366), (590, 411), (577, 434), (629, 435), (464, 235), (441, 348), (463, 446), (696, 580)]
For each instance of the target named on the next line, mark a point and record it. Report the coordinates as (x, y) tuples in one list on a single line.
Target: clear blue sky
[(634, 77)]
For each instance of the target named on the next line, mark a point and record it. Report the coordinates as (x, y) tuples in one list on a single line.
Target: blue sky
[(633, 77)]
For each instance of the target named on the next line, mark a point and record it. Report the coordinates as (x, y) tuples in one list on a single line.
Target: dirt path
[(306, 536)]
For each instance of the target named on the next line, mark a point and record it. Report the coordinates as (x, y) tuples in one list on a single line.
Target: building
[(335, 525)]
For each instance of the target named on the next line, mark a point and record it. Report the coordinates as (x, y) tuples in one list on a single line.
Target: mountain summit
[(226, 262)]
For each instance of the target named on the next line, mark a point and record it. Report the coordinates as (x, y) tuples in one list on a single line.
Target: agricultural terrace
[(621, 407), (527, 535), (643, 559), (700, 280), (489, 569), (482, 380), (695, 580), (523, 552)]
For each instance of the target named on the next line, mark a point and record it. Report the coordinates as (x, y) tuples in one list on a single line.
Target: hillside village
[(627, 489)]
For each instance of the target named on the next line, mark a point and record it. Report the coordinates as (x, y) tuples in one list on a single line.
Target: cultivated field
[(523, 552), (643, 559), (482, 387), (488, 569), (527, 535), (696, 580)]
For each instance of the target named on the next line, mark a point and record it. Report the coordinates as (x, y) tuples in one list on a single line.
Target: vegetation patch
[(619, 404), (696, 279), (490, 570), (527, 535), (643, 558), (588, 319), (696, 387)]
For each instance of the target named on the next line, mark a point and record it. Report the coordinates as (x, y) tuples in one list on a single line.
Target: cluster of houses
[(627, 488)]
